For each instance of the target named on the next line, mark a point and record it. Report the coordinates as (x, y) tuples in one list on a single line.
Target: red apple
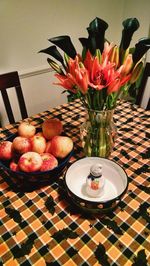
[(30, 162), (21, 145), (26, 130), (49, 162), (38, 144), (48, 145), (5, 150), (14, 166), (52, 127), (61, 146)]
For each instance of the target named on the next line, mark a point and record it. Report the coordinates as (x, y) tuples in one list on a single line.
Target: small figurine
[(95, 181)]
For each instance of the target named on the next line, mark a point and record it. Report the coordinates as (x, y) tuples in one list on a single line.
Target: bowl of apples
[(34, 157)]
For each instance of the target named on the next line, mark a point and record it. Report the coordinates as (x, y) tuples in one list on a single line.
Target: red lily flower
[(88, 61), (65, 82), (115, 85), (93, 73), (118, 83), (108, 50), (127, 65), (100, 75), (77, 76)]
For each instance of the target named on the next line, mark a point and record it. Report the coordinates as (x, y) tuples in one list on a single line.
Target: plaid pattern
[(36, 237)]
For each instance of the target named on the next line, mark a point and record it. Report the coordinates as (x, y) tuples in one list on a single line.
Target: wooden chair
[(144, 80), (7, 81)]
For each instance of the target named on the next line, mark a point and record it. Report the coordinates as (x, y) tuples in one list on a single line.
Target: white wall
[(140, 10), (25, 26)]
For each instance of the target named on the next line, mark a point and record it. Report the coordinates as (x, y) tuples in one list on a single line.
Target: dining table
[(33, 232)]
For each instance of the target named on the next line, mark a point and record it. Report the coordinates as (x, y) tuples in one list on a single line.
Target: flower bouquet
[(100, 77)]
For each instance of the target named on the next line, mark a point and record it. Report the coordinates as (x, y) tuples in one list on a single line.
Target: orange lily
[(137, 70), (77, 76), (127, 65), (108, 49), (100, 75), (118, 83), (65, 82), (115, 85)]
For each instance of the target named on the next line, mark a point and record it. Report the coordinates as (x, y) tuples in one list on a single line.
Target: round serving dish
[(116, 184), (33, 180)]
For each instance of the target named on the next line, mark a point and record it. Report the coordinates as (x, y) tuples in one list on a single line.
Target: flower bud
[(66, 57), (124, 55), (112, 55), (127, 65), (55, 66), (81, 65), (114, 58), (98, 55), (136, 72)]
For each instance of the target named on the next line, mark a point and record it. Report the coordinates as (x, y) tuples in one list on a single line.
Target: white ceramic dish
[(116, 183)]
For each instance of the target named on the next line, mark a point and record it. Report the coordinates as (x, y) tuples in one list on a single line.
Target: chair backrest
[(9, 80)]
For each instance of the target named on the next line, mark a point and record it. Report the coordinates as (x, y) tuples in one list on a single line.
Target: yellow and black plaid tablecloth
[(44, 228)]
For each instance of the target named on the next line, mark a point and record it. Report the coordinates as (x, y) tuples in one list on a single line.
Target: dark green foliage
[(96, 31), (64, 42), (52, 50), (130, 26), (140, 49)]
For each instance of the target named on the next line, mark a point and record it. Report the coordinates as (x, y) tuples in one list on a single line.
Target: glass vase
[(98, 133)]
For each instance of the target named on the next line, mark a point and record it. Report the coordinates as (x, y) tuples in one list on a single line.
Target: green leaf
[(101, 256), (14, 214), (132, 93), (140, 259), (84, 42), (64, 42), (112, 225), (140, 49), (52, 50), (64, 234), (50, 205), (130, 26), (96, 31)]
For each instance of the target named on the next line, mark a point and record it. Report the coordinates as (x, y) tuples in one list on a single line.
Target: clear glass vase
[(98, 133)]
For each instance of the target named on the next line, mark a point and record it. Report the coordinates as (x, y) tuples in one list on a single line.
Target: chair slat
[(8, 106), (10, 80)]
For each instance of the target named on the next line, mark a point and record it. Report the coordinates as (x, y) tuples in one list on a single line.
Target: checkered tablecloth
[(44, 228)]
